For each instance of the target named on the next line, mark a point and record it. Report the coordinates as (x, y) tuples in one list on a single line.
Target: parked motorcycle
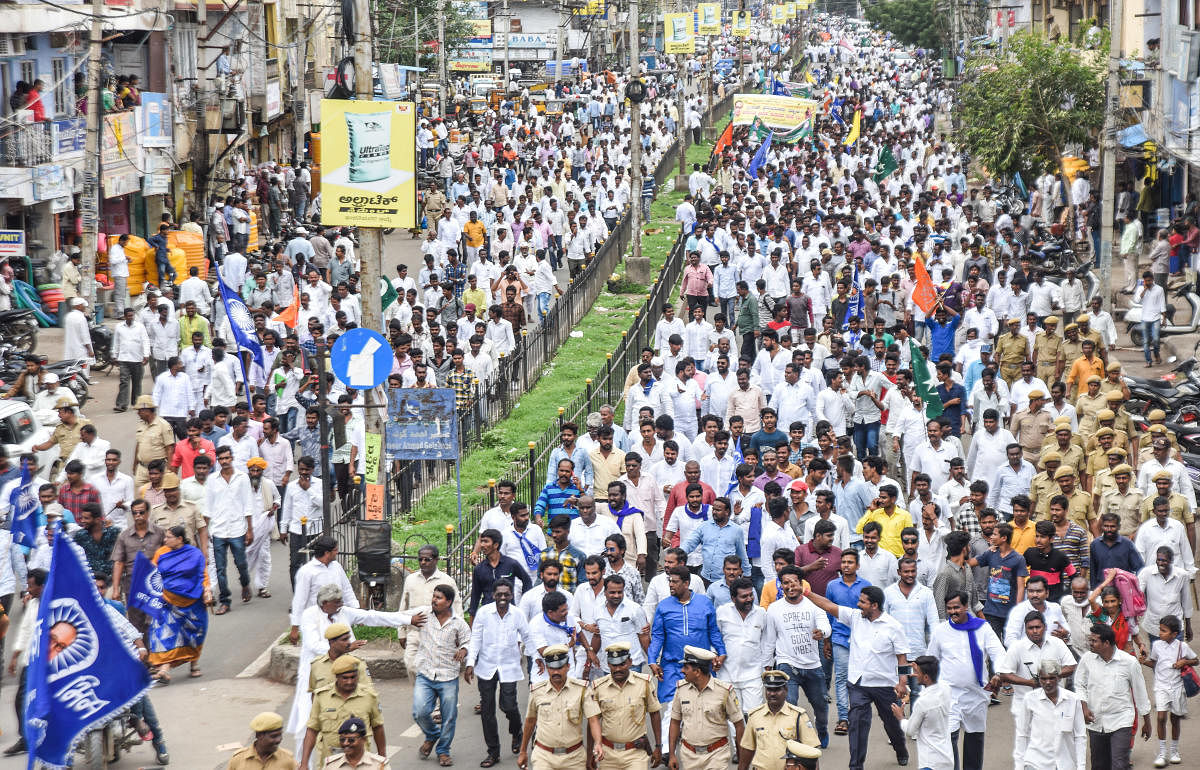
[(102, 338), (1171, 325), (19, 328), (1169, 392)]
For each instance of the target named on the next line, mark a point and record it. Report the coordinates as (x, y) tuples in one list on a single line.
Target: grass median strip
[(562, 379)]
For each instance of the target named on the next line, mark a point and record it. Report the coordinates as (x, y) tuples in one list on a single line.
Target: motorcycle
[(1133, 316), (1169, 392), (1054, 253), (102, 747), (19, 327), (102, 338)]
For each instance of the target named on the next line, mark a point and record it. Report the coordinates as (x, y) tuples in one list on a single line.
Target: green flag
[(387, 292), (886, 165), (925, 381)]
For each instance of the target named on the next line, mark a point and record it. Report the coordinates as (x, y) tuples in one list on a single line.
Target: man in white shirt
[(131, 351), (1020, 665), (743, 626), (1052, 723), (1162, 530), (929, 722), (795, 630), (230, 509), (589, 530), (1110, 682), (175, 396), (1154, 304)]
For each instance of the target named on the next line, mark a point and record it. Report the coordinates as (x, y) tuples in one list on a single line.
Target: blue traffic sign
[(361, 358)]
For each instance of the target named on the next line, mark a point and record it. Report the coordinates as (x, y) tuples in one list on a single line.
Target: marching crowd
[(875, 457)]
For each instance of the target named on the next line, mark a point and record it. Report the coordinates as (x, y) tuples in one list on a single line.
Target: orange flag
[(291, 314), (924, 295), (725, 140)]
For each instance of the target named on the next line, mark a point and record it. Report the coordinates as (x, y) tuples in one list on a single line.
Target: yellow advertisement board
[(741, 24), (368, 163), (776, 112), (710, 18), (789, 10), (593, 8), (680, 36), (778, 15)]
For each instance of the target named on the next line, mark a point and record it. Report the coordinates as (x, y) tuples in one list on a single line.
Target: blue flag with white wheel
[(241, 323), (25, 509), (146, 587)]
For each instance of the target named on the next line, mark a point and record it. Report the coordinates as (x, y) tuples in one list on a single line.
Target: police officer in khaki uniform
[(1079, 503), (1011, 351), (176, 510), (1088, 403), (556, 709), (1098, 457), (1043, 487), (1114, 380), (320, 673), (770, 726), (1102, 481), (1063, 441), (1156, 417), (1123, 421), (619, 706), (1086, 332), (1031, 425), (1107, 418), (155, 439), (1072, 348), (334, 704), (1046, 346), (264, 753), (1124, 500), (801, 756), (701, 712), (1179, 508), (353, 738)]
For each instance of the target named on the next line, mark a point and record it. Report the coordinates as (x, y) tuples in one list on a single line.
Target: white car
[(20, 432)]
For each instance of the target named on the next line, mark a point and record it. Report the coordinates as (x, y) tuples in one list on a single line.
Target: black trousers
[(1109, 751), (487, 712), (972, 753), (861, 700), (652, 546)]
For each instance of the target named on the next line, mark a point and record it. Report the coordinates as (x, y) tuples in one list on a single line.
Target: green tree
[(393, 20), (1023, 105), (912, 22)]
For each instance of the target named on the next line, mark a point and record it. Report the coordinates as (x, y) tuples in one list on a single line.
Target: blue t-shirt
[(1003, 572), (953, 413), (846, 596), (941, 337)]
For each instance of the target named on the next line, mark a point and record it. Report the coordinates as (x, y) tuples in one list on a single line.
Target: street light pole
[(635, 131)]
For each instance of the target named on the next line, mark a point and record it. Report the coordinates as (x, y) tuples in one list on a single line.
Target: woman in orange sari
[(177, 636)]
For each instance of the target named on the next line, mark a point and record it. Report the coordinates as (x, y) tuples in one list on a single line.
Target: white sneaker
[(1175, 758), (1161, 759)]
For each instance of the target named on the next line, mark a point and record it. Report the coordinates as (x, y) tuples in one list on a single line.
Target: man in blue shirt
[(954, 398), (942, 327), (717, 538), (559, 496), (1112, 549), (569, 450), (682, 619), (843, 592), (161, 260)]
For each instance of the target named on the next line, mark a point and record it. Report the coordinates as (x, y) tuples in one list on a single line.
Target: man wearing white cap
[(77, 340)]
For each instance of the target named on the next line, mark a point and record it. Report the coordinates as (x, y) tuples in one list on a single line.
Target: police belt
[(558, 750), (705, 749), (640, 743)]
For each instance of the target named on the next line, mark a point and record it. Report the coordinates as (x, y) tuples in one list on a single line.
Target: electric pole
[(91, 154), (370, 239), (1108, 176), (635, 131), (507, 32), (442, 78)]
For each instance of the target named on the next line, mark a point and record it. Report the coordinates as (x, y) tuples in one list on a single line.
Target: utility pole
[(1108, 176), (415, 90), (560, 42), (91, 154), (442, 78), (370, 239), (635, 128), (681, 106), (507, 32)]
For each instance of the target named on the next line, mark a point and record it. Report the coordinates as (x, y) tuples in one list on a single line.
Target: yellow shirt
[(474, 232), (892, 525)]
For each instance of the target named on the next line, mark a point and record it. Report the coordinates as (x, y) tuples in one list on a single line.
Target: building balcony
[(26, 145)]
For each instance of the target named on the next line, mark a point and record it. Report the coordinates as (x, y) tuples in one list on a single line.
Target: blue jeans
[(841, 661), (812, 681), (1150, 333), (866, 438), (425, 693), (165, 270), (238, 546), (543, 304)]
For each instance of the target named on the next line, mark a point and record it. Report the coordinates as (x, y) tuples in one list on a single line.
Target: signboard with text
[(368, 163), (422, 424)]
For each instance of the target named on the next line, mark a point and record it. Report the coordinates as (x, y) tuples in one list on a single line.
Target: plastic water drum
[(193, 249), (136, 251)]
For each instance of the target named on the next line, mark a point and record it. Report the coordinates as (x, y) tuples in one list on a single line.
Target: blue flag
[(836, 114), (81, 672), (1020, 183), (26, 510), (760, 157), (854, 308), (779, 89), (242, 323), (146, 588)]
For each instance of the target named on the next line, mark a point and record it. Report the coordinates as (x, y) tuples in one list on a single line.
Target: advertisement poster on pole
[(741, 24), (778, 113), (368, 163), (680, 35), (710, 18), (778, 15), (789, 10)]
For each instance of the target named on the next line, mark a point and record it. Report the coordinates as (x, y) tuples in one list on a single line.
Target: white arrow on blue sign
[(361, 358)]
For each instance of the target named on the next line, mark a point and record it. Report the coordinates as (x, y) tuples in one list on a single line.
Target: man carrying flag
[(760, 157), (886, 165), (241, 326), (925, 382)]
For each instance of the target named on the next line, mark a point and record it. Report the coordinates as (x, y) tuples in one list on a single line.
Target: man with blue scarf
[(963, 644), (681, 620)]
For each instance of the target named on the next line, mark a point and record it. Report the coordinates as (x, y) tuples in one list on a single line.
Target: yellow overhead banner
[(710, 18), (593, 8), (789, 10), (803, 5), (368, 163), (776, 112), (778, 15), (741, 24), (680, 35)]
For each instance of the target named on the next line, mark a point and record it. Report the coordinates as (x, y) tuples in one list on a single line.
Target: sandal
[(264, 593), (224, 608), (194, 671), (489, 761), (841, 728), (163, 675), (444, 760), (426, 749), (245, 594)]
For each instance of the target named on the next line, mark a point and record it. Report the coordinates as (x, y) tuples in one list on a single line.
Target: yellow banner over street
[(741, 24), (710, 18), (680, 32), (778, 15), (789, 10), (368, 163), (775, 112)]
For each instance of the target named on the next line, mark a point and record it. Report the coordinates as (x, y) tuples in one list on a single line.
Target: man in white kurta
[(1019, 667), (964, 669)]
